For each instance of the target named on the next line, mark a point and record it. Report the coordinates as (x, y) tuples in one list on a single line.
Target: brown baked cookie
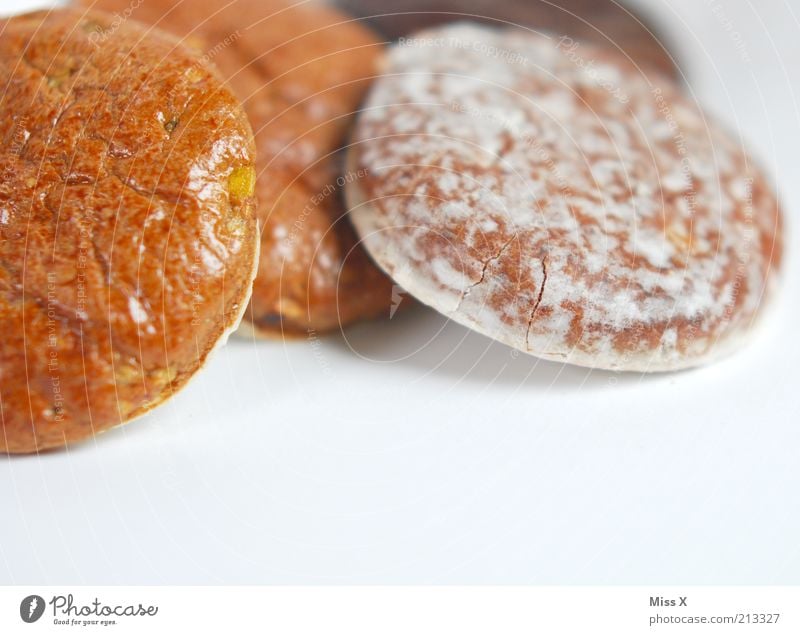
[(572, 210), (128, 236), (301, 71), (602, 22)]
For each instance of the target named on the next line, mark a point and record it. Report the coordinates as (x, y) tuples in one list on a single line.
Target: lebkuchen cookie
[(301, 70), (128, 236), (561, 203)]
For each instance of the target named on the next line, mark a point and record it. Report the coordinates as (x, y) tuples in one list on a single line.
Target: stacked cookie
[(301, 71), (559, 196)]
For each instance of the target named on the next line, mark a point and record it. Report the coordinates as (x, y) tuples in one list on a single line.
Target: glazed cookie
[(564, 206), (128, 236), (602, 22), (301, 70)]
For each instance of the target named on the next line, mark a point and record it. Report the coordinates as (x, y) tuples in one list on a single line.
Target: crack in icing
[(485, 267), (538, 302)]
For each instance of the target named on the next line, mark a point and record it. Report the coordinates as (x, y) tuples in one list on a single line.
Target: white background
[(412, 451)]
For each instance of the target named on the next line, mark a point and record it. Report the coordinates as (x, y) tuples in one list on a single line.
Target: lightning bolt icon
[(397, 298), (32, 607)]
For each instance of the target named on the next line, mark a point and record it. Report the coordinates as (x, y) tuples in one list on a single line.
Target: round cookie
[(602, 22), (564, 206), (128, 235), (301, 70)]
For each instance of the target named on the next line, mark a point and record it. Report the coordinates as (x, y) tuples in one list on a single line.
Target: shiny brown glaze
[(301, 72), (128, 235), (601, 22)]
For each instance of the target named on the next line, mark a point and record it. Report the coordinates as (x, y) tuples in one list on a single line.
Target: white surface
[(416, 452)]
